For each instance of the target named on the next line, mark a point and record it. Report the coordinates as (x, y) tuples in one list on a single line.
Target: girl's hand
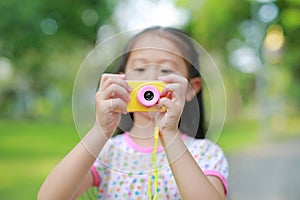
[(173, 100), (111, 99)]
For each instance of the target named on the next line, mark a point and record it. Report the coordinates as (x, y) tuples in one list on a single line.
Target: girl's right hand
[(111, 99)]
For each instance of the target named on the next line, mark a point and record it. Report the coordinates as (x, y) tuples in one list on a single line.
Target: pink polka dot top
[(122, 169)]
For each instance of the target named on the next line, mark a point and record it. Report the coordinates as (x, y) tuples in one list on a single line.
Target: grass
[(30, 149), (239, 135)]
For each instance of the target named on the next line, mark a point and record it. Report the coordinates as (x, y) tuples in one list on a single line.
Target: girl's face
[(153, 56)]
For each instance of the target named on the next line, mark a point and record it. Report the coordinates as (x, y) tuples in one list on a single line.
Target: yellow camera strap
[(154, 165)]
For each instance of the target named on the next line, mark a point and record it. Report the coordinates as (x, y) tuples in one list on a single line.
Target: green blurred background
[(255, 44)]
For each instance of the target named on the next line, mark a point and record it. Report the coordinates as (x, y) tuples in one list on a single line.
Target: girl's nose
[(152, 72)]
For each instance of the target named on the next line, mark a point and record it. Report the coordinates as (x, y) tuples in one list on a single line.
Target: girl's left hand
[(173, 100)]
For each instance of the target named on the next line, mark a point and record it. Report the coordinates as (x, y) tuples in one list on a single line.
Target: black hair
[(191, 123)]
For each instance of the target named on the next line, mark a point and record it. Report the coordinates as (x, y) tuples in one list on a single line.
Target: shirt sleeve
[(101, 162), (212, 160), (96, 177), (98, 166)]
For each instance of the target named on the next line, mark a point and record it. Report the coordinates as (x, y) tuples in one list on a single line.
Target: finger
[(170, 88), (175, 83), (116, 91), (175, 92), (114, 106), (169, 104), (109, 79)]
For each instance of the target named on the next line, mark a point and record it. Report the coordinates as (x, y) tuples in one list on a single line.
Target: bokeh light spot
[(49, 26), (89, 17)]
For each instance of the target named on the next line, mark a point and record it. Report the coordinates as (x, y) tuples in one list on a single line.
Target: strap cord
[(154, 166)]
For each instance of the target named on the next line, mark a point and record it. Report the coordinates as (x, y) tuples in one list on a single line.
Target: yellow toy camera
[(144, 96)]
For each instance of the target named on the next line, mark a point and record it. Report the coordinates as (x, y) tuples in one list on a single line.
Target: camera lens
[(148, 95)]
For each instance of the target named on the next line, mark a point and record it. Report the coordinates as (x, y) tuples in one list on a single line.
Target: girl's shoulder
[(209, 156), (205, 146), (118, 141)]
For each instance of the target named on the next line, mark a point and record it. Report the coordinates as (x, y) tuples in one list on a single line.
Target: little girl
[(132, 165)]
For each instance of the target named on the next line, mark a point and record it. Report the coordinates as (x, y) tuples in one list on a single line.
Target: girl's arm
[(72, 175), (188, 175), (190, 179)]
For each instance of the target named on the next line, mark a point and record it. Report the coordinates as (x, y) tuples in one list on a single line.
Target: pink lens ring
[(148, 95)]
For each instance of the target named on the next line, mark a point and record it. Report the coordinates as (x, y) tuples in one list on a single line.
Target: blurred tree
[(45, 42), (42, 44), (289, 18), (223, 26), (213, 24)]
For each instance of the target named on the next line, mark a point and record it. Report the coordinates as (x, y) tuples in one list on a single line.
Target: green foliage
[(216, 23), (290, 20), (45, 42)]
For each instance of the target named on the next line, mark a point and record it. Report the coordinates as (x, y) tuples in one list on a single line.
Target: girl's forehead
[(156, 42)]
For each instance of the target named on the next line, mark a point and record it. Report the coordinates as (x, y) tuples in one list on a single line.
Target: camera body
[(144, 96)]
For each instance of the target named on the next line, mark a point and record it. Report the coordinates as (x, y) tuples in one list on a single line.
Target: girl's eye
[(139, 69), (166, 71)]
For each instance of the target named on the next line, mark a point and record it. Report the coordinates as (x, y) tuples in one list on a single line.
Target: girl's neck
[(142, 131)]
